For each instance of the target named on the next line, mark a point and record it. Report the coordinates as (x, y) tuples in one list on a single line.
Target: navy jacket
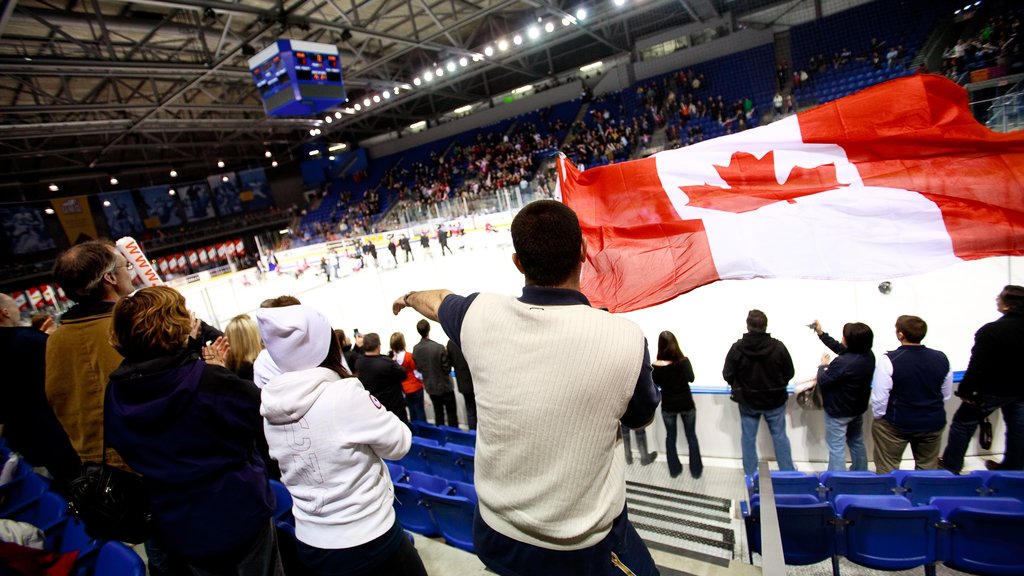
[(190, 430), (994, 367), (845, 383)]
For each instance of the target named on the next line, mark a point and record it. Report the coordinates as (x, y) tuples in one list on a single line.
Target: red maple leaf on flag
[(752, 184)]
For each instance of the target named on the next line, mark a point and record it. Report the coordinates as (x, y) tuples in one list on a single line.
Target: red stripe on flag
[(639, 252), (930, 143)]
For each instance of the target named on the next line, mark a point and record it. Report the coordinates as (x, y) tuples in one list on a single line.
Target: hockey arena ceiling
[(97, 89)]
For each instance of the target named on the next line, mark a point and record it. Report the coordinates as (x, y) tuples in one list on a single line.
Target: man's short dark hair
[(859, 337), (1013, 297), (423, 327), (914, 328), (80, 269), (757, 321), (280, 302), (547, 238), (371, 342)]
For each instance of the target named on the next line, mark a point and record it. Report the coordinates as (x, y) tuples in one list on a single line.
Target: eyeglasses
[(127, 265)]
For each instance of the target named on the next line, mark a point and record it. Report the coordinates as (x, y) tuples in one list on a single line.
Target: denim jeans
[(840, 432), (966, 421), (416, 409), (776, 419), (675, 467)]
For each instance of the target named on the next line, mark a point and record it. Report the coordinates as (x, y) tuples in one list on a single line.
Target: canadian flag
[(895, 180)]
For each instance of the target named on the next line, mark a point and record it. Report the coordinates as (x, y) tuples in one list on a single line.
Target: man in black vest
[(992, 381), (908, 399)]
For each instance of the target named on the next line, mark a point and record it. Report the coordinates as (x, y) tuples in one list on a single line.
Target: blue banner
[(225, 193), (26, 230), (195, 197), (121, 214), (162, 208), (255, 189)]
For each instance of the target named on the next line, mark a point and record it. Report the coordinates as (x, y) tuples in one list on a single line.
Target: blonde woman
[(189, 427), (244, 337)]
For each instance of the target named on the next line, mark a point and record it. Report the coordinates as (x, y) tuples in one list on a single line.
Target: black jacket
[(994, 367), (463, 377), (758, 367), (674, 380), (845, 383), (382, 377)]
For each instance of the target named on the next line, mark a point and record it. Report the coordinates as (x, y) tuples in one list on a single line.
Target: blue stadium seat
[(464, 459), (460, 437), (116, 559), (45, 513), (887, 532), (283, 508), (786, 482), (22, 491), (1006, 485), (986, 539), (415, 459), (453, 512), (440, 460), (396, 471), (867, 483), (411, 512), (428, 431), (806, 526), (920, 486)]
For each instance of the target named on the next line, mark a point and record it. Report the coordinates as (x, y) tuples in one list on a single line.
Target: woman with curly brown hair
[(189, 425)]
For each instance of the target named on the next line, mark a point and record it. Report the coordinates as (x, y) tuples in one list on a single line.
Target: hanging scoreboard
[(298, 78)]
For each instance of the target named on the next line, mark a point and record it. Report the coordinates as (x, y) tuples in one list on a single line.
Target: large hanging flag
[(895, 180)]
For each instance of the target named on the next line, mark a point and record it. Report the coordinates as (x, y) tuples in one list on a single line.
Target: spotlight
[(106, 203), (581, 14), (463, 62), (533, 32), (517, 39), (376, 98), (174, 173), (416, 81), (312, 132), (488, 51), (220, 163), (346, 35), (366, 101), (328, 119), (267, 154), (451, 66), (358, 106), (502, 45), (428, 76), (396, 90), (439, 72), (48, 210), (387, 94), (885, 287), (54, 188), (274, 164), (566, 21), (549, 27), (224, 179), (338, 114), (172, 191), (620, 2), (113, 181)]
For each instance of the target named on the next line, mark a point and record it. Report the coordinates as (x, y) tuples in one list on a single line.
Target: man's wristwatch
[(405, 299)]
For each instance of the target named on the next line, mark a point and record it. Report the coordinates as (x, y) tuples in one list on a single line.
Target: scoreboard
[(298, 78)]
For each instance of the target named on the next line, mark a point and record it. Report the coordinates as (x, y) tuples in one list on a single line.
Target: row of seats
[(432, 506), (973, 535), (452, 461), (28, 497), (918, 486), (443, 434)]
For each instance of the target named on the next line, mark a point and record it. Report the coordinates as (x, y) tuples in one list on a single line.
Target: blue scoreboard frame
[(298, 78)]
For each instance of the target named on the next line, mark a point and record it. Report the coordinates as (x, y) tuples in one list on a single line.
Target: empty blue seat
[(396, 471), (985, 539), (806, 526), (116, 559), (411, 512), (460, 437), (946, 504), (464, 459), (452, 511), (867, 483), (283, 508), (919, 486), (415, 459), (428, 431), (886, 532), (23, 490), (786, 482), (440, 460), (1006, 485), (45, 513)]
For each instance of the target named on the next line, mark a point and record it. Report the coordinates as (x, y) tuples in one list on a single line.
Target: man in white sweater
[(553, 378)]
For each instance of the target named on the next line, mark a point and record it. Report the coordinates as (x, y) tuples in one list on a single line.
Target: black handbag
[(985, 434), (112, 503)]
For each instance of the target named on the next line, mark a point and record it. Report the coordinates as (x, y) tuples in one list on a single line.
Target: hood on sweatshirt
[(288, 397), (757, 344)]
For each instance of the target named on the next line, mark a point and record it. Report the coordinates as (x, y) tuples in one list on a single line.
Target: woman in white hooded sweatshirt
[(329, 435)]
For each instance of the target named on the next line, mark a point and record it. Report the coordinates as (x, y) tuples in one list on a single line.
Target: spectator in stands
[(343, 499), (464, 380), (264, 367), (412, 385), (845, 386), (28, 421), (991, 382), (673, 375), (432, 361), (244, 338), (79, 358), (562, 371), (908, 395), (758, 368), (382, 377), (189, 427)]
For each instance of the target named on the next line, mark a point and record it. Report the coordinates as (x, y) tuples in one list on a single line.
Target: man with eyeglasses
[(79, 357)]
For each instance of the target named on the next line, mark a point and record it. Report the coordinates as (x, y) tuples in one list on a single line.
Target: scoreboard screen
[(298, 78)]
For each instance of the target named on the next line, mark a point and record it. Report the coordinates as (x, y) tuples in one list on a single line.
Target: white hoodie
[(329, 435)]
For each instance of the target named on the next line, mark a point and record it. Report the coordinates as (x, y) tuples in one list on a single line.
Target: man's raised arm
[(426, 302)]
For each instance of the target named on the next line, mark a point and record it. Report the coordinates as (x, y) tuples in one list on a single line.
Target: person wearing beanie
[(329, 436)]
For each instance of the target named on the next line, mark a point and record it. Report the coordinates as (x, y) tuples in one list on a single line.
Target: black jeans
[(391, 554)]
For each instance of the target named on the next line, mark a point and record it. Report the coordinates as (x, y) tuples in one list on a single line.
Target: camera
[(355, 332)]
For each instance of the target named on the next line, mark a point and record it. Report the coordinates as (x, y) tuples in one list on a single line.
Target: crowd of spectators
[(996, 44)]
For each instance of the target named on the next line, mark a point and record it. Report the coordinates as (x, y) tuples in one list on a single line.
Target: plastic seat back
[(45, 513), (283, 508), (441, 461), (806, 525), (427, 431), (856, 483), (415, 458), (23, 490), (428, 482), (1006, 485), (116, 559), (453, 515), (460, 437), (887, 532), (986, 541), (463, 459), (464, 490), (919, 489), (396, 471), (412, 514), (947, 504)]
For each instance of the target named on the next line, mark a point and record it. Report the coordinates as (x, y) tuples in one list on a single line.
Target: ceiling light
[(113, 181), (358, 106), (314, 152), (549, 27), (172, 192), (274, 164), (463, 109), (533, 32), (387, 94), (337, 147), (591, 66), (376, 98), (502, 45), (566, 21), (48, 210), (331, 158), (488, 51), (106, 203), (416, 80), (523, 89), (174, 173), (54, 188), (338, 114), (517, 39), (439, 72), (328, 119), (224, 179), (395, 90), (451, 66), (581, 14), (478, 57), (312, 132), (366, 102), (418, 125), (220, 163), (267, 154), (620, 2), (428, 76), (463, 62)]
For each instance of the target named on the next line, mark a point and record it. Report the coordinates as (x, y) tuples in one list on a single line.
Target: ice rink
[(954, 301)]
